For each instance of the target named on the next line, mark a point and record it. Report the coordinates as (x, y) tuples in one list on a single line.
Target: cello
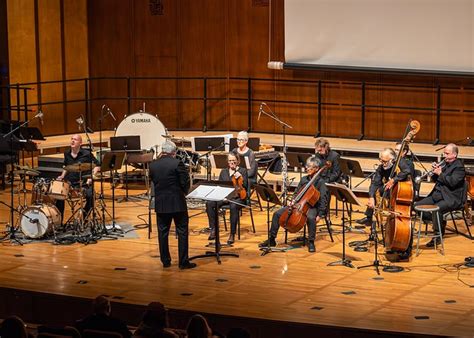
[(294, 216), (398, 225)]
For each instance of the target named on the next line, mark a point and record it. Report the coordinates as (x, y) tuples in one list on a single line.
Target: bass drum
[(149, 127), (40, 220)]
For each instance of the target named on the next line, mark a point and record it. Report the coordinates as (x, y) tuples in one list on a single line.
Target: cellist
[(315, 214), (382, 183), (233, 173)]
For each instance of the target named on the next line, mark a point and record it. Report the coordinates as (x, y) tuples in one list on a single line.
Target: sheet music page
[(219, 193), (247, 162), (201, 192)]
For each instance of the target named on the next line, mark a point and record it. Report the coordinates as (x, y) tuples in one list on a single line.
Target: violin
[(238, 183)]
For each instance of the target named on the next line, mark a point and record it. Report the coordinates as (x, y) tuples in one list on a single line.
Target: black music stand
[(127, 144), (112, 161), (253, 143), (345, 195), (297, 160), (220, 161), (208, 144), (268, 195), (214, 191), (351, 168)]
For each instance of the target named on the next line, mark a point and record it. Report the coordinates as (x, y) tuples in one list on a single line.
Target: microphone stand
[(206, 155), (284, 125), (11, 228)]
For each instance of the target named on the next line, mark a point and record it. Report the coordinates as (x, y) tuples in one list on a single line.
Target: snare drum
[(190, 159), (40, 220), (59, 189), (149, 127)]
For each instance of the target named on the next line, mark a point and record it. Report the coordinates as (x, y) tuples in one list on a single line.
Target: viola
[(238, 183)]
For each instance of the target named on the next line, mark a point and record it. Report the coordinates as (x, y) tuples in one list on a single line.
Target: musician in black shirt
[(314, 214), (74, 155)]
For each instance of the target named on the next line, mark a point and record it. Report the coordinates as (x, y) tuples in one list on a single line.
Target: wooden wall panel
[(22, 47), (50, 66), (76, 63)]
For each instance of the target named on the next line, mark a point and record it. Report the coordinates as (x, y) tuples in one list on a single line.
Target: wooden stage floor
[(431, 296)]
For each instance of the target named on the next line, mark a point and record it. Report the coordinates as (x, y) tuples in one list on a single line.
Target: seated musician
[(239, 174), (247, 155), (408, 156), (314, 215), (448, 192), (74, 155), (325, 153), (382, 182)]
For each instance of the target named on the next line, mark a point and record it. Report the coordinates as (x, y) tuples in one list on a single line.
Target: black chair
[(461, 209), (100, 334), (248, 202), (66, 331)]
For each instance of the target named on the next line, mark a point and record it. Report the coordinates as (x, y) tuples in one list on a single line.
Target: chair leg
[(454, 222), (466, 224), (251, 219), (225, 221), (149, 223)]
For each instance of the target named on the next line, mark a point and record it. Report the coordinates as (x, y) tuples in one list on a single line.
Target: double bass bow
[(398, 226), (294, 216)]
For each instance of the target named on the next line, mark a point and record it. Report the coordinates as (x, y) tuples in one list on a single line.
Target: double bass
[(294, 217), (398, 225)]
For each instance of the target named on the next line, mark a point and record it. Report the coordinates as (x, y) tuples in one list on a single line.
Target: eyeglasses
[(241, 140), (232, 161), (384, 162)]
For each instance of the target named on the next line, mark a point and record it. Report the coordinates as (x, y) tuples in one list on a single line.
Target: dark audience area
[(101, 323)]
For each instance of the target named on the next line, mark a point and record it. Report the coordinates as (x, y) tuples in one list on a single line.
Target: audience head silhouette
[(13, 327), (101, 306), (198, 327)]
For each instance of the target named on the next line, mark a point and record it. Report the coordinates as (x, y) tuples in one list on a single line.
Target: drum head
[(37, 221), (149, 128)]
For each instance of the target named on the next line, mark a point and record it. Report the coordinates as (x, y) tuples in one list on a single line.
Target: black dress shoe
[(311, 247), (431, 243), (187, 265), (167, 264), (212, 235), (364, 220), (231, 239), (266, 243)]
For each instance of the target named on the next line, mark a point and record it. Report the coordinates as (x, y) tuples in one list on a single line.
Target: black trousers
[(311, 223), (60, 204), (427, 216), (234, 214), (181, 221)]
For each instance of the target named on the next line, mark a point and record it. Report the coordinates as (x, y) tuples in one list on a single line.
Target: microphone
[(111, 114), (40, 115), (260, 110)]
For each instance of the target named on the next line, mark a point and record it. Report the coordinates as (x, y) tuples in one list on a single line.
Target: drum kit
[(39, 217)]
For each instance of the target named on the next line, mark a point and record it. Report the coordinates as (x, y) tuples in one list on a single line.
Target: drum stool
[(434, 209)]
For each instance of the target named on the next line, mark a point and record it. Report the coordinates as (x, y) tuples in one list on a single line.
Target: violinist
[(247, 155), (314, 214), (382, 182), (448, 193), (237, 175)]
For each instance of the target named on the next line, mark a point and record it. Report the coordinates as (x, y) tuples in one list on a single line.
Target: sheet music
[(210, 193), (247, 162)]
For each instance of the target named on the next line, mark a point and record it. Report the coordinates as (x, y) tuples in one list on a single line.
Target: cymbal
[(79, 167), (30, 172)]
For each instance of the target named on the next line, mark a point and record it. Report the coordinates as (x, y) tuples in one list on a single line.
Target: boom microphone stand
[(11, 228), (284, 125)]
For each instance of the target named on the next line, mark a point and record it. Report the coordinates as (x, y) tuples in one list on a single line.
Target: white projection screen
[(418, 35)]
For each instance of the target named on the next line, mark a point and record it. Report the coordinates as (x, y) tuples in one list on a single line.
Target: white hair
[(168, 147), (243, 135)]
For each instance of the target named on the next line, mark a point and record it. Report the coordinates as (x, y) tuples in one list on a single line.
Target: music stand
[(253, 143), (208, 144), (345, 195), (112, 161), (297, 160), (127, 144), (268, 195), (219, 161), (351, 168), (213, 191)]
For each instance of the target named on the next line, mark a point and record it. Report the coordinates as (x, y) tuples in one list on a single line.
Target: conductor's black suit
[(171, 183)]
